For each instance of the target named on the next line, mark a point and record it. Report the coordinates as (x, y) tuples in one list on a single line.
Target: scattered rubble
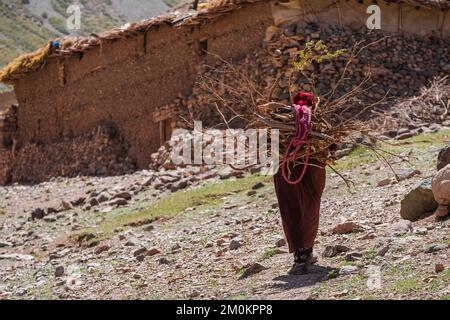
[(99, 153)]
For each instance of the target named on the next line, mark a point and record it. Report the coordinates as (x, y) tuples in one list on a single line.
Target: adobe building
[(124, 78)]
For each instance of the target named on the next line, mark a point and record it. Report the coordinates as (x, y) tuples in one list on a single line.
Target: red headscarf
[(303, 99)]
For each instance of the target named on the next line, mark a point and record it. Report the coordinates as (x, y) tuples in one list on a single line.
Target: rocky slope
[(220, 236)]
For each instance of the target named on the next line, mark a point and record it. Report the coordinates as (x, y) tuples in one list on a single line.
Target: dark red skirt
[(300, 205)]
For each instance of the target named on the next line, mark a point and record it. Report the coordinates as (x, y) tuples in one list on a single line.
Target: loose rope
[(302, 130)]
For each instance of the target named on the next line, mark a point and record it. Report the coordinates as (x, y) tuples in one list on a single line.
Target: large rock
[(443, 157), (441, 190), (420, 200)]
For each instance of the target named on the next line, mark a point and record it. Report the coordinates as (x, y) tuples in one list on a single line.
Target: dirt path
[(208, 235)]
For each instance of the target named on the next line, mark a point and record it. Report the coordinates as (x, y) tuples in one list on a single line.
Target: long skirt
[(300, 204)]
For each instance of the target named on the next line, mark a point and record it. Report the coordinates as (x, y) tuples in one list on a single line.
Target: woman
[(300, 203)]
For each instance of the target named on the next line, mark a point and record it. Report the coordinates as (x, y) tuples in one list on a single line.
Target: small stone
[(353, 256), (257, 186), (194, 294), (5, 244), (404, 174), (148, 181), (400, 228), (382, 252), (103, 197), (179, 185), (251, 270), (348, 270), (37, 214), (148, 228), (139, 252), (384, 182), (251, 193), (16, 256), (153, 251), (140, 258), (49, 218), (163, 260), (93, 202), (51, 210), (333, 250), (65, 206), (341, 294), (101, 249), (421, 231), (235, 244), (439, 267), (59, 271), (346, 227), (229, 173), (436, 247), (78, 202), (280, 242), (130, 243), (118, 202), (405, 135), (123, 195)]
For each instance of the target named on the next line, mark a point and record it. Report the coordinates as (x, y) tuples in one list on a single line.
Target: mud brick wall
[(124, 82)]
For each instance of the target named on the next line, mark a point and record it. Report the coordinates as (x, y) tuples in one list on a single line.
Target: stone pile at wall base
[(98, 153), (8, 127)]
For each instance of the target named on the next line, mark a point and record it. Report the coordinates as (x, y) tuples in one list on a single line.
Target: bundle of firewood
[(328, 124), (327, 130)]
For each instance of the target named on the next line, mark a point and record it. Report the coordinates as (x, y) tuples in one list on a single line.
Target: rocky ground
[(219, 236)]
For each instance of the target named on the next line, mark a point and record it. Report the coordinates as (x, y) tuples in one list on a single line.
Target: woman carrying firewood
[(299, 192)]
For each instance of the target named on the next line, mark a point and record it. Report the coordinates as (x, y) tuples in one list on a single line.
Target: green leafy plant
[(315, 52)]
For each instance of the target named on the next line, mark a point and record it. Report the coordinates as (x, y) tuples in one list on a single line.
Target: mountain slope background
[(26, 25)]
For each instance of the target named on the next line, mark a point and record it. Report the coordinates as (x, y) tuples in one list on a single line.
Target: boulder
[(441, 190), (441, 186), (418, 201), (443, 157)]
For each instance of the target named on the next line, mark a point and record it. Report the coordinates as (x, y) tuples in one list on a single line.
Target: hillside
[(25, 25)]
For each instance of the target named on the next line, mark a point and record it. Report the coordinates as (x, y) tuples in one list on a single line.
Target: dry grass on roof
[(24, 63)]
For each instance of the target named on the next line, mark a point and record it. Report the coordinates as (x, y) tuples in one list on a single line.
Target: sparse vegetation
[(58, 24), (23, 30), (173, 3), (362, 155), (201, 198)]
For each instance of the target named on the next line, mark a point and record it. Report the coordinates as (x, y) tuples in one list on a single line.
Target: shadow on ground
[(315, 274)]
